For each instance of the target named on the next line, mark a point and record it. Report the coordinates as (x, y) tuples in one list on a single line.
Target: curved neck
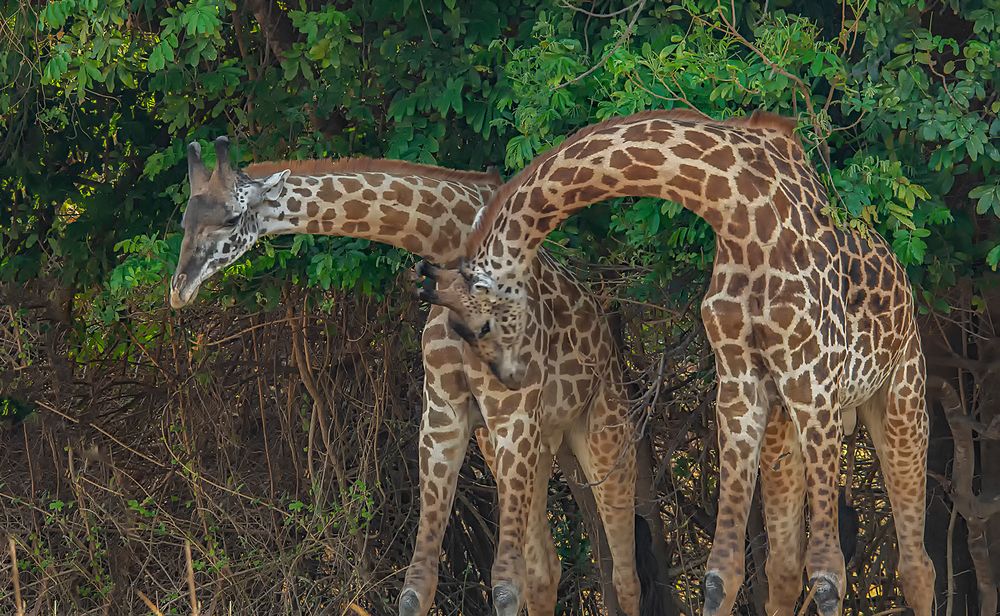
[(429, 216), (741, 178)]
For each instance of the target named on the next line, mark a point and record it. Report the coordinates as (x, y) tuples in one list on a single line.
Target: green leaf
[(993, 257), (92, 71), (155, 61), (910, 246), (987, 198)]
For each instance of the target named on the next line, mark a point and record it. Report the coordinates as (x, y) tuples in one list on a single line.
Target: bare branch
[(621, 41), (976, 509), (600, 15)]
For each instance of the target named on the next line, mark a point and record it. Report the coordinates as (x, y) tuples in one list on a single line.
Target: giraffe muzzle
[(426, 269), (180, 292)]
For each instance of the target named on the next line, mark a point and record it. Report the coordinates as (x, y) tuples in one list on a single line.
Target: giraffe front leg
[(541, 559), (741, 414), (783, 491), (444, 437), (517, 459)]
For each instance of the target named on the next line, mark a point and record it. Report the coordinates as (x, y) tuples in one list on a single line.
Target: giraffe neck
[(428, 216), (727, 173)]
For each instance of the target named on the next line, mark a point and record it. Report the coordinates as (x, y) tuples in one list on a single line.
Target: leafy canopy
[(896, 101)]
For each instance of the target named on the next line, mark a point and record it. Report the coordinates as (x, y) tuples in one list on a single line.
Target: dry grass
[(189, 470)]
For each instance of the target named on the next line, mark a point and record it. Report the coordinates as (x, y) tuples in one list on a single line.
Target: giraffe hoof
[(827, 597), (715, 593), (409, 603), (505, 600)]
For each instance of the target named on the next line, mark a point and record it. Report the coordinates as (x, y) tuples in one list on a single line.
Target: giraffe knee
[(916, 576), (544, 574)]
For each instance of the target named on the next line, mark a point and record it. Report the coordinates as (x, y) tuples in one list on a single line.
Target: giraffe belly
[(856, 392), (565, 399), (865, 374)]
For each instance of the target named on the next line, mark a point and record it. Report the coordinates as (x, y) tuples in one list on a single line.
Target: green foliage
[(896, 103), (899, 116), (352, 513)]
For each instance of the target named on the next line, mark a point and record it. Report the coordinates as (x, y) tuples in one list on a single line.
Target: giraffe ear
[(271, 186)]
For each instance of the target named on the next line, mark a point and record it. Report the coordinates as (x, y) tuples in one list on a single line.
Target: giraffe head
[(490, 317), (220, 222)]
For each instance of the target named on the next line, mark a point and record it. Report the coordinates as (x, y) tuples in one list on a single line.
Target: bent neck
[(429, 216), (728, 173)]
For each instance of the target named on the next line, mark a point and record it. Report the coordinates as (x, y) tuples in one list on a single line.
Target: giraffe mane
[(758, 119), (768, 120), (362, 164)]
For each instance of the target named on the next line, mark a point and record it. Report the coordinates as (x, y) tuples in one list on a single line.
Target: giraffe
[(812, 327), (429, 211)]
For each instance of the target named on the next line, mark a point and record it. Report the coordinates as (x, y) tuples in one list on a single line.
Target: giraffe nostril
[(179, 280)]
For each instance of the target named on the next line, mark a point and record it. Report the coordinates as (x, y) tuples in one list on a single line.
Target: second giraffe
[(812, 326)]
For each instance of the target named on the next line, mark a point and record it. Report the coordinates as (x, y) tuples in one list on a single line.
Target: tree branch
[(976, 509), (275, 25), (621, 41)]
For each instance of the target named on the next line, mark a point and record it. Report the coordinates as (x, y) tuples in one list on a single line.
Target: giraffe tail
[(650, 599)]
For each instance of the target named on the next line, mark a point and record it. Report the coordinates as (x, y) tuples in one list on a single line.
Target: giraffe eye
[(232, 221), (485, 329)]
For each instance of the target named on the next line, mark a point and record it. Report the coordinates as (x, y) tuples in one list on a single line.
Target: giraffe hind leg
[(898, 425), (783, 491), (606, 454)]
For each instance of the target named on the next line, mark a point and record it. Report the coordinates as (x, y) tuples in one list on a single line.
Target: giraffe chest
[(557, 402), (560, 383)]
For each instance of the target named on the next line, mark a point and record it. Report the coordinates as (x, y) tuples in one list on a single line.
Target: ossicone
[(197, 173), (223, 168)]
